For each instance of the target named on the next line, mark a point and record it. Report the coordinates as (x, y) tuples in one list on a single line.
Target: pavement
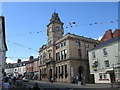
[(71, 85), (61, 86)]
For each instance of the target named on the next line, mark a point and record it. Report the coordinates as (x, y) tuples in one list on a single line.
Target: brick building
[(35, 68), (109, 35), (30, 68)]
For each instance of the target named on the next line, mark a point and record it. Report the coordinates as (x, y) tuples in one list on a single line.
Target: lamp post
[(114, 73)]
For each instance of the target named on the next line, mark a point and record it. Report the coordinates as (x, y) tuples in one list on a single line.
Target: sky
[(26, 23)]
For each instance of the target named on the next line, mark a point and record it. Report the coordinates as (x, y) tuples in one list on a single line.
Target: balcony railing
[(49, 60)]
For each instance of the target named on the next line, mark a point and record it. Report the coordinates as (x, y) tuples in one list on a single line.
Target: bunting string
[(29, 33), (73, 24), (23, 46), (70, 25), (18, 57)]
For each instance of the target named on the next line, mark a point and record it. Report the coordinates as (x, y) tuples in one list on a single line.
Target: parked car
[(25, 79), (20, 78)]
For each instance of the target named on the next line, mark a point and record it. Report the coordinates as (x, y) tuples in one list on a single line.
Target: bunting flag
[(95, 22), (112, 21), (73, 24)]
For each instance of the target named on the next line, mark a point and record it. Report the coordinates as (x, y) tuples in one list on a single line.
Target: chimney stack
[(31, 57), (19, 60)]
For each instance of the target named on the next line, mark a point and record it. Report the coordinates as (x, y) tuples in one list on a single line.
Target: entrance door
[(50, 74), (112, 77), (40, 74)]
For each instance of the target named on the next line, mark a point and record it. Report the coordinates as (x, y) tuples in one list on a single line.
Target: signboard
[(72, 74)]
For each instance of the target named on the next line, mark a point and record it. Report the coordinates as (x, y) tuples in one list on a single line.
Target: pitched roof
[(116, 39)]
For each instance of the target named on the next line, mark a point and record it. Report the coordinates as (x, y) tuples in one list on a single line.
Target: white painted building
[(3, 47), (16, 69), (9, 69), (21, 68), (104, 61), (15, 73)]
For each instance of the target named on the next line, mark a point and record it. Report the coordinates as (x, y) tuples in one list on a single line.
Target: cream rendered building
[(104, 61), (64, 58)]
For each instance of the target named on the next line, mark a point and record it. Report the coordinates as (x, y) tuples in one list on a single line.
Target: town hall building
[(64, 58)]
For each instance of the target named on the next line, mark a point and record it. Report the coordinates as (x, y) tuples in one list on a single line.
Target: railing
[(49, 60)]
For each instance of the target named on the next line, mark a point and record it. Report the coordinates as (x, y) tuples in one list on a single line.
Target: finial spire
[(54, 10)]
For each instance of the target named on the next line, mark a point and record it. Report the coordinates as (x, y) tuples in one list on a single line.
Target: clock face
[(57, 28)]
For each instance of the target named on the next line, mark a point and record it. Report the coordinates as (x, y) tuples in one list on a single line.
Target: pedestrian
[(36, 87), (5, 84), (10, 80), (51, 80), (14, 80)]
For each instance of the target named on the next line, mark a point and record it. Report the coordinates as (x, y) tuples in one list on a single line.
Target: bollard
[(24, 86), (79, 82), (111, 85)]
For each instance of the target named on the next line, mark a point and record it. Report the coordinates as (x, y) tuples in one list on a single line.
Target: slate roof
[(116, 39)]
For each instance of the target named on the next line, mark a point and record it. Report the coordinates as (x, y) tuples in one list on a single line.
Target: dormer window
[(105, 39)]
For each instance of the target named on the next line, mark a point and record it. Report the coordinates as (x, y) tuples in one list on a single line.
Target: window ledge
[(105, 55), (104, 79), (93, 58)]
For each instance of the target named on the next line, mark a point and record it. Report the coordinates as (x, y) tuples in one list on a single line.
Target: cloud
[(100, 37), (8, 60), (25, 60), (35, 55)]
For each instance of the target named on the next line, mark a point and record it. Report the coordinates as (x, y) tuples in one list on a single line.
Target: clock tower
[(55, 29)]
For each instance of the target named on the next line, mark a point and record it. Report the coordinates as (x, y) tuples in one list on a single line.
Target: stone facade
[(64, 58), (3, 48)]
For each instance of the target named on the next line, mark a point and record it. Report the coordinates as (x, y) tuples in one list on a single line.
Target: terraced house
[(64, 58)]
